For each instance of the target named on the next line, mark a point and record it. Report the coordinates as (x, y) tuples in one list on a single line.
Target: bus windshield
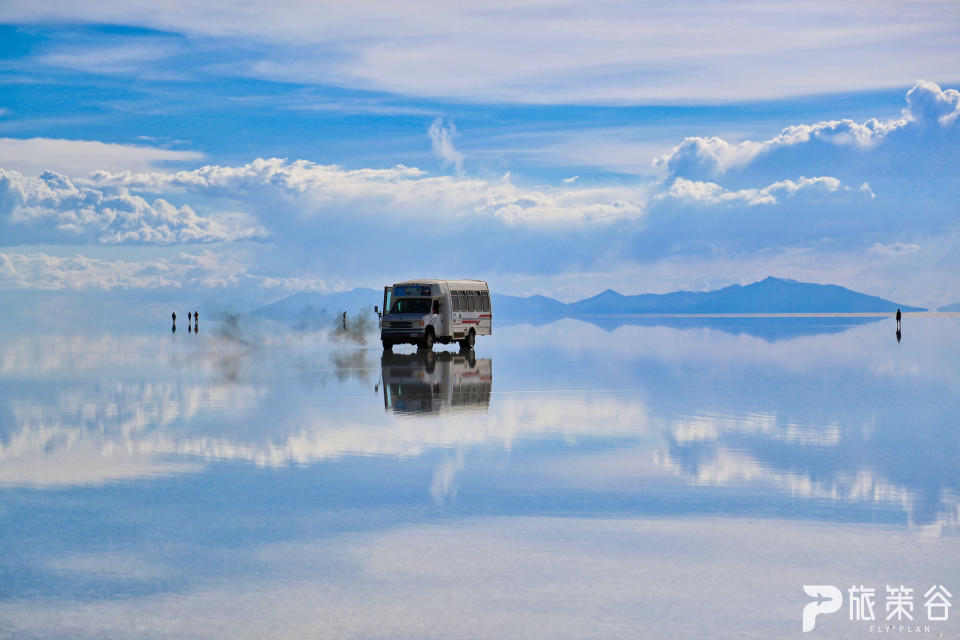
[(411, 305)]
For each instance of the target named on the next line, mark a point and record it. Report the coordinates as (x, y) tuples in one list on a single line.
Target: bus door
[(446, 312), (456, 311), (387, 299)]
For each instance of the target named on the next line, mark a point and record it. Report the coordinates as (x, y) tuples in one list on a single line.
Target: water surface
[(664, 478)]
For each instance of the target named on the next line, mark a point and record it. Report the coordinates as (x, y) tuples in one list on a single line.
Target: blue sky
[(549, 147)]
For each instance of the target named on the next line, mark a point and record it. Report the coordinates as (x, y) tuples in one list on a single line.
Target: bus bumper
[(402, 336)]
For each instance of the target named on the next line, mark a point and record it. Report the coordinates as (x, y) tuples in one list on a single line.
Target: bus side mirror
[(376, 310)]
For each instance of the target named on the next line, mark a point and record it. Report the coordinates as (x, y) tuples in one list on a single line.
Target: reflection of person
[(898, 319)]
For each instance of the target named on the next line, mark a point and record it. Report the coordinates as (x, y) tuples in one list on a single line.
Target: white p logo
[(829, 599)]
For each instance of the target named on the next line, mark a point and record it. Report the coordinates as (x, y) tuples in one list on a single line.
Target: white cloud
[(712, 193), (543, 232), (441, 139), (124, 56), (496, 577), (617, 148), (33, 156), (716, 156), (42, 271), (330, 190), (822, 142), (355, 106), (83, 466), (893, 249), (553, 51), (207, 270), (53, 208), (928, 102)]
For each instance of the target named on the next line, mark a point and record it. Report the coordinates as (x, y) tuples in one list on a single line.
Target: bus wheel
[(387, 345), (467, 343), (427, 342)]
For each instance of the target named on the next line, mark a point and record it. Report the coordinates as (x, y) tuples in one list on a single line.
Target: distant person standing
[(188, 317), (174, 316), (898, 319)]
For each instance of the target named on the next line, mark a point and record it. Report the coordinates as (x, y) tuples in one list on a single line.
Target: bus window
[(485, 300), (454, 301), (411, 305), (471, 301)]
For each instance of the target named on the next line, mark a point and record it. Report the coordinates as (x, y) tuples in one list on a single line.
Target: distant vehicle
[(423, 312), (428, 382)]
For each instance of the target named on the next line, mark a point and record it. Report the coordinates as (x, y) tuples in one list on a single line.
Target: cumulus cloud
[(712, 193), (292, 178), (795, 191), (53, 208), (835, 143), (928, 103), (716, 156), (400, 190), (441, 139)]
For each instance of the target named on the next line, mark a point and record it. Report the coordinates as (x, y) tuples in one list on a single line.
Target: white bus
[(423, 312)]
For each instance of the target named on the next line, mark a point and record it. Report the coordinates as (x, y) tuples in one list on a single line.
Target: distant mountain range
[(772, 295), (950, 307)]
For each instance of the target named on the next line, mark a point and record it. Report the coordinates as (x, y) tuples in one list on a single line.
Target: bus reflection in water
[(428, 382)]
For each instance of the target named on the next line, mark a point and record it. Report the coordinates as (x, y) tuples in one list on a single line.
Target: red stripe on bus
[(485, 315)]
